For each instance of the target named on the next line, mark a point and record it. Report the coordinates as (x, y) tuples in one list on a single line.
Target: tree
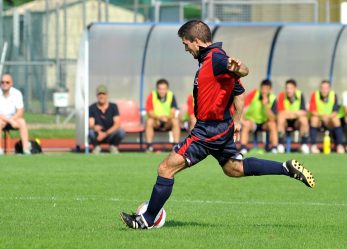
[(16, 2)]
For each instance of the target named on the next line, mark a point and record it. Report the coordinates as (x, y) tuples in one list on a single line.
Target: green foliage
[(73, 201), (16, 2), (39, 118), (192, 12)]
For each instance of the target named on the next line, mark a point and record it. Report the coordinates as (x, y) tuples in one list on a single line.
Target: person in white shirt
[(12, 112), (344, 102), (344, 111)]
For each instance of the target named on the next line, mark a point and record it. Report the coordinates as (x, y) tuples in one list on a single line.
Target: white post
[(64, 67), (203, 10), (157, 11), (343, 18), (99, 10), (84, 14), (1, 23), (181, 11), (3, 57), (316, 12), (327, 11), (136, 9), (15, 29), (107, 3), (210, 11), (57, 45), (86, 94)]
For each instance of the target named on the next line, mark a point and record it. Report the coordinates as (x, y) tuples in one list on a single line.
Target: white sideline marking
[(251, 203)]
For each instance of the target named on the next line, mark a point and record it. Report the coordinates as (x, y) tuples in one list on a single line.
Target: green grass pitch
[(73, 201)]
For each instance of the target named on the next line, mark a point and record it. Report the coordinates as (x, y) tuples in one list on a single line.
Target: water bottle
[(326, 143)]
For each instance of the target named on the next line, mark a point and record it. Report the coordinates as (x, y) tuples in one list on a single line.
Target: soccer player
[(343, 113), (214, 92), (260, 115), (324, 111), (161, 107), (292, 114)]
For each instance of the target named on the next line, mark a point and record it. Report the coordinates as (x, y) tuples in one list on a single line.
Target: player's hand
[(101, 136), (164, 118), (265, 100), (237, 129), (234, 64), (4, 118), (98, 128), (325, 118), (11, 122)]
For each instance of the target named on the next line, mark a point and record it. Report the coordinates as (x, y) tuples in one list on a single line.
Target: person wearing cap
[(12, 112), (104, 122)]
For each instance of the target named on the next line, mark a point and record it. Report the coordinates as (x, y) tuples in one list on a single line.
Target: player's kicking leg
[(161, 192), (256, 167)]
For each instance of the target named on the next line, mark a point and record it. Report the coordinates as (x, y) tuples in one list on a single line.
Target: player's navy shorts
[(209, 138)]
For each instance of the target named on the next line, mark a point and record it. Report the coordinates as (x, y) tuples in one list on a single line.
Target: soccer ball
[(159, 221)]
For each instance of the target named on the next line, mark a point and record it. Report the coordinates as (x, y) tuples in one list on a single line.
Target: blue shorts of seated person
[(213, 138)]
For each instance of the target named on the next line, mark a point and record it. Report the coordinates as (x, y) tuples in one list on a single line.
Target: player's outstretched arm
[(239, 101), (237, 67)]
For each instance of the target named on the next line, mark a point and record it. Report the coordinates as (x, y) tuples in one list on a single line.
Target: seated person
[(343, 114), (104, 123), (261, 108), (12, 112), (292, 114), (344, 105), (324, 111), (161, 107)]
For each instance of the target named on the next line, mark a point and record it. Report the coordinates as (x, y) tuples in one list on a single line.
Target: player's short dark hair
[(195, 29), (325, 81), (291, 81), (162, 81), (266, 82)]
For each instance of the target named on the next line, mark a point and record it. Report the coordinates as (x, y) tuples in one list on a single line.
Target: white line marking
[(221, 202)]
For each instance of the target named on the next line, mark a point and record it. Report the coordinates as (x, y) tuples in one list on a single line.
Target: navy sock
[(338, 134), (257, 167), (243, 146), (161, 192), (304, 139), (313, 135), (281, 138)]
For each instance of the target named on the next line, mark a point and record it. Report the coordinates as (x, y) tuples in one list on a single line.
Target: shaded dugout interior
[(130, 58)]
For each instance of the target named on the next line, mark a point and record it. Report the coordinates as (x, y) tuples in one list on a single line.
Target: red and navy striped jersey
[(214, 85)]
